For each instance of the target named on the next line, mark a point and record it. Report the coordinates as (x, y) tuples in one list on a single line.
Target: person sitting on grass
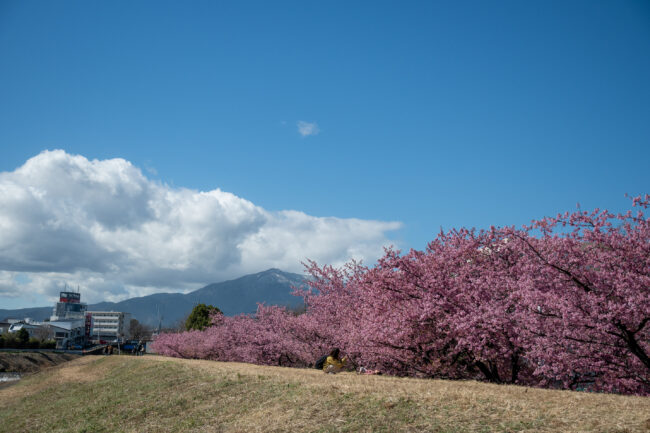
[(364, 370), (333, 364)]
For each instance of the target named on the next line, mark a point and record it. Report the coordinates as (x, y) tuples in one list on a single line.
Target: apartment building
[(109, 325)]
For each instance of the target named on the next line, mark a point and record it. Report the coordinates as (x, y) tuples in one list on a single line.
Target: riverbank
[(32, 362), (158, 394)]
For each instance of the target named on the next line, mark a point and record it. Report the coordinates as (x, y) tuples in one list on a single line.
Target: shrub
[(199, 318), (48, 344)]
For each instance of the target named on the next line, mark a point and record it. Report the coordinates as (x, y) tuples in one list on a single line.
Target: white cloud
[(104, 226), (307, 128)]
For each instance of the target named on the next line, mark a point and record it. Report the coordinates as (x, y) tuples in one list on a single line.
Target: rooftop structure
[(69, 307)]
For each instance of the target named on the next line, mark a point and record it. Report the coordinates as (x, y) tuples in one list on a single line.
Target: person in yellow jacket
[(333, 364)]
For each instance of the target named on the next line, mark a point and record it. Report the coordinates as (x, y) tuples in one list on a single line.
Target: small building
[(4, 327)]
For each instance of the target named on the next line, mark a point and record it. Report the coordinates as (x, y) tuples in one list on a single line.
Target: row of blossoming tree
[(564, 302)]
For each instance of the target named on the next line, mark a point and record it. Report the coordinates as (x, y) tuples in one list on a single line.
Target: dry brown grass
[(159, 394), (564, 410), (77, 371)]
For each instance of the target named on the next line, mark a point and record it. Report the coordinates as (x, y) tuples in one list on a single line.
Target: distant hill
[(36, 313), (233, 297)]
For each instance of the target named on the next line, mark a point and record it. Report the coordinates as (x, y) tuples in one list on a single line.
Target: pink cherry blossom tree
[(587, 294), (564, 302)]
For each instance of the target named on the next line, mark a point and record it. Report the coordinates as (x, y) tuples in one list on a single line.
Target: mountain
[(233, 297), (36, 313)]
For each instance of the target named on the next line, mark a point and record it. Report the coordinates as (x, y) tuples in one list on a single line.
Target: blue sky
[(428, 113)]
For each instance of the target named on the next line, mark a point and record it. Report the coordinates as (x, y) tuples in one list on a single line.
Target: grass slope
[(157, 394)]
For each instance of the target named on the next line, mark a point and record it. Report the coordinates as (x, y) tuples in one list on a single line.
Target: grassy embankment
[(156, 394)]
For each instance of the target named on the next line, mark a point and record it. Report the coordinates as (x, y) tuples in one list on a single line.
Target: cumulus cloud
[(307, 128), (104, 226)]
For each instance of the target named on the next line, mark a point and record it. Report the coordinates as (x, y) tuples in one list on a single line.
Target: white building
[(32, 328), (109, 325)]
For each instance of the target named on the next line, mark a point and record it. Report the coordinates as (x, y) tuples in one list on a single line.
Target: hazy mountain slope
[(167, 308), (36, 313)]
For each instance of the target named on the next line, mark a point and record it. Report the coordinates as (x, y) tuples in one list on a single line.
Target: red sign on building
[(70, 297), (89, 324)]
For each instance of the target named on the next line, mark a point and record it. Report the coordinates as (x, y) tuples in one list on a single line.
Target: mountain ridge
[(237, 296)]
